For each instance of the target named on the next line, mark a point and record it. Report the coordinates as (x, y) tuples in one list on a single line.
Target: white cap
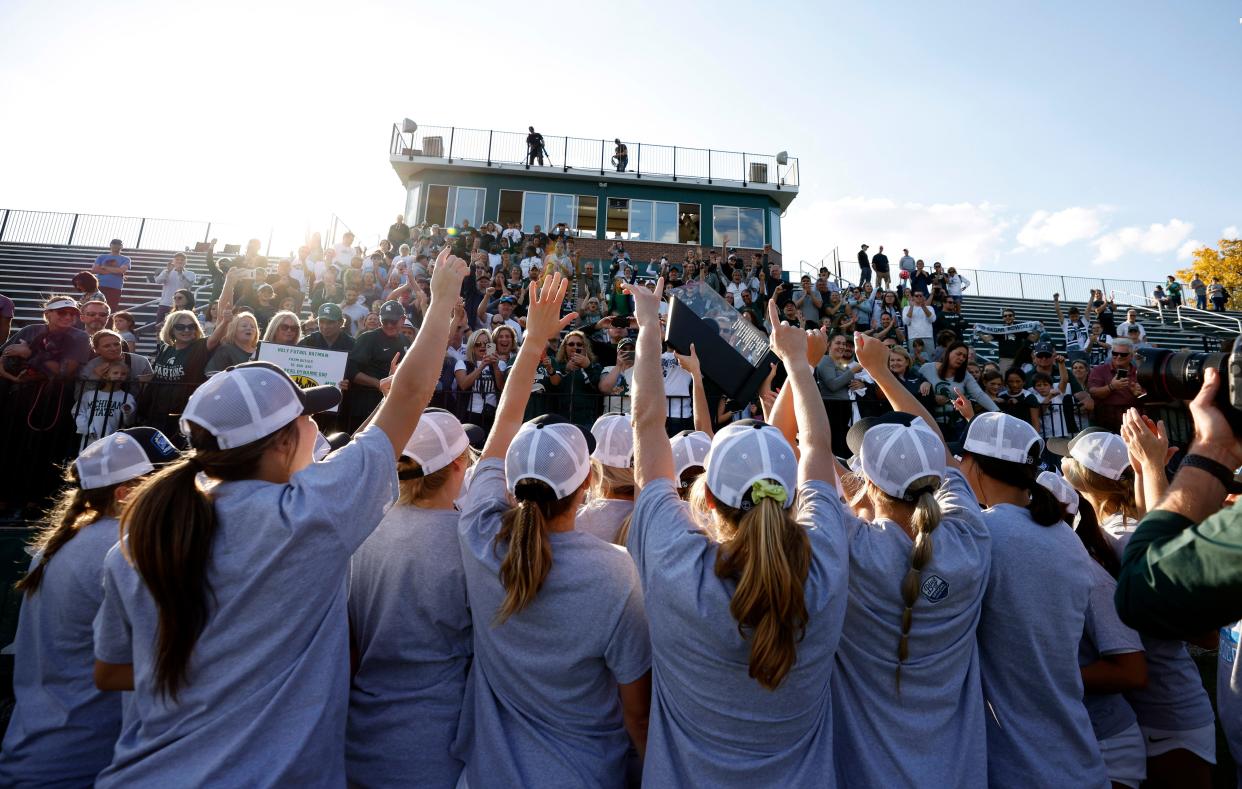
[(550, 450), (60, 303), (997, 435), (690, 448), (745, 452), (893, 456), (1103, 453), (438, 440), (1062, 490), (123, 456), (614, 440), (250, 401)]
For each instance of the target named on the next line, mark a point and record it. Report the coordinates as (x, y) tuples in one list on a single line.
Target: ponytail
[(1115, 495), (1093, 539), (769, 555), (528, 558), (76, 509), (923, 521), (169, 525)]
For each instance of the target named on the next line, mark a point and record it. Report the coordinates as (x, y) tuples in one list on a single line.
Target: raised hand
[(1147, 441), (872, 354), (789, 343), (690, 363), (543, 317), (963, 406), (448, 275), (646, 302), (816, 345)]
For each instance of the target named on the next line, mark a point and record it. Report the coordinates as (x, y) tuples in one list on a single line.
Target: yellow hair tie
[(762, 489)]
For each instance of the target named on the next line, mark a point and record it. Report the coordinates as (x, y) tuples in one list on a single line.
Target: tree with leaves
[(1225, 263)]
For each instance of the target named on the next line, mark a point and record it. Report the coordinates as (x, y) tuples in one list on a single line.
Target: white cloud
[(1230, 233), (961, 234), (1185, 251), (1154, 239), (1056, 229)]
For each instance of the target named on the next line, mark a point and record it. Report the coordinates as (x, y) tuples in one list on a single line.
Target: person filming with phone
[(1114, 387)]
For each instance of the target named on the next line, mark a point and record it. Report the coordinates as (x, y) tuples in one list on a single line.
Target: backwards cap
[(745, 452), (690, 448), (998, 435), (251, 401), (614, 440), (551, 450), (122, 456), (893, 456), (1061, 489), (438, 440), (1104, 453)]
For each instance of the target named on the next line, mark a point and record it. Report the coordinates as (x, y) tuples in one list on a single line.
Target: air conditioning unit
[(433, 146), (758, 172)]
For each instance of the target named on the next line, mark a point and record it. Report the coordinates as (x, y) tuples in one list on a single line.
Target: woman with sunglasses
[(575, 380), (284, 329), (181, 360)]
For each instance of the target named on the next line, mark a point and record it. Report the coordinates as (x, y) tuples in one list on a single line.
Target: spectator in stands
[(834, 375), (950, 319), (1218, 294), (111, 269), (6, 317), (94, 316), (506, 342), (1199, 287), (1130, 322), (109, 348), (482, 374), (503, 316), (183, 300), (262, 305), (331, 335), (55, 349), (575, 380), (1076, 329), (920, 279), (354, 310), (399, 232), (239, 344), (1113, 386), (919, 319), (345, 251), (107, 406), (534, 150), (864, 265), (123, 323), (1016, 401), (1157, 295), (327, 290), (906, 264), (1101, 309), (1174, 290), (950, 377), (371, 359), (173, 277), (284, 329), (883, 275), (955, 285), (899, 363), (87, 284)]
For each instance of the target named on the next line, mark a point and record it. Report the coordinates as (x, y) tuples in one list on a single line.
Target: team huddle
[(590, 608)]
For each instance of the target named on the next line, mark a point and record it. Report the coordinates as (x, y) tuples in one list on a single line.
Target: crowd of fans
[(581, 599)]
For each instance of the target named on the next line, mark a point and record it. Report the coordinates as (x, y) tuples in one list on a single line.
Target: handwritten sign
[(306, 366)]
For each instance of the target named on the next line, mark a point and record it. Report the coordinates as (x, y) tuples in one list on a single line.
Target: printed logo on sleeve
[(1229, 642), (934, 588)]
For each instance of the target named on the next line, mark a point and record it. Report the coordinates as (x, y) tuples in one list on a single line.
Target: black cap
[(476, 435), (1042, 348), (159, 450), (854, 438)]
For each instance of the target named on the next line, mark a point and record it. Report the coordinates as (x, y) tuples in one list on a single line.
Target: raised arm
[(412, 387), (702, 416), (816, 461), (653, 454), (543, 322), (224, 309), (1056, 302), (874, 357), (782, 415)]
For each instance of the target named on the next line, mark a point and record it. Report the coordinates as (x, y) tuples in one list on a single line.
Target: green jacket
[(1179, 580)]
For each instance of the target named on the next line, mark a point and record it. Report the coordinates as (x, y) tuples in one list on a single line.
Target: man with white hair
[(1131, 321), (1113, 385)]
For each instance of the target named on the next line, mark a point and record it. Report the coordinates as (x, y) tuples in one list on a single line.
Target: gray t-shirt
[(602, 518), (268, 683), (1174, 698), (1106, 635), (1034, 612), (542, 707), (63, 728), (712, 724), (411, 629), (932, 731)]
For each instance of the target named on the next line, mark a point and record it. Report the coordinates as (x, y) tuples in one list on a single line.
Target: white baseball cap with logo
[(251, 401), (614, 440), (1104, 453), (744, 453), (551, 450), (438, 440), (998, 435)]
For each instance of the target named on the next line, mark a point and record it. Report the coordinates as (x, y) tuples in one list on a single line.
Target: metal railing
[(575, 153), (1212, 320), (22, 226)]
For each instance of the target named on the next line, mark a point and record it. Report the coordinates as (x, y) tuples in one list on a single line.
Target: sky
[(1093, 138)]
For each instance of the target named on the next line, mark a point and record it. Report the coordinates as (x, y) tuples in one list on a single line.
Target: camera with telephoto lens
[(1167, 376)]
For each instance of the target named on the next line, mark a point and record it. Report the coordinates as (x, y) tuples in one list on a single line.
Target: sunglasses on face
[(184, 327), (1121, 354)]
